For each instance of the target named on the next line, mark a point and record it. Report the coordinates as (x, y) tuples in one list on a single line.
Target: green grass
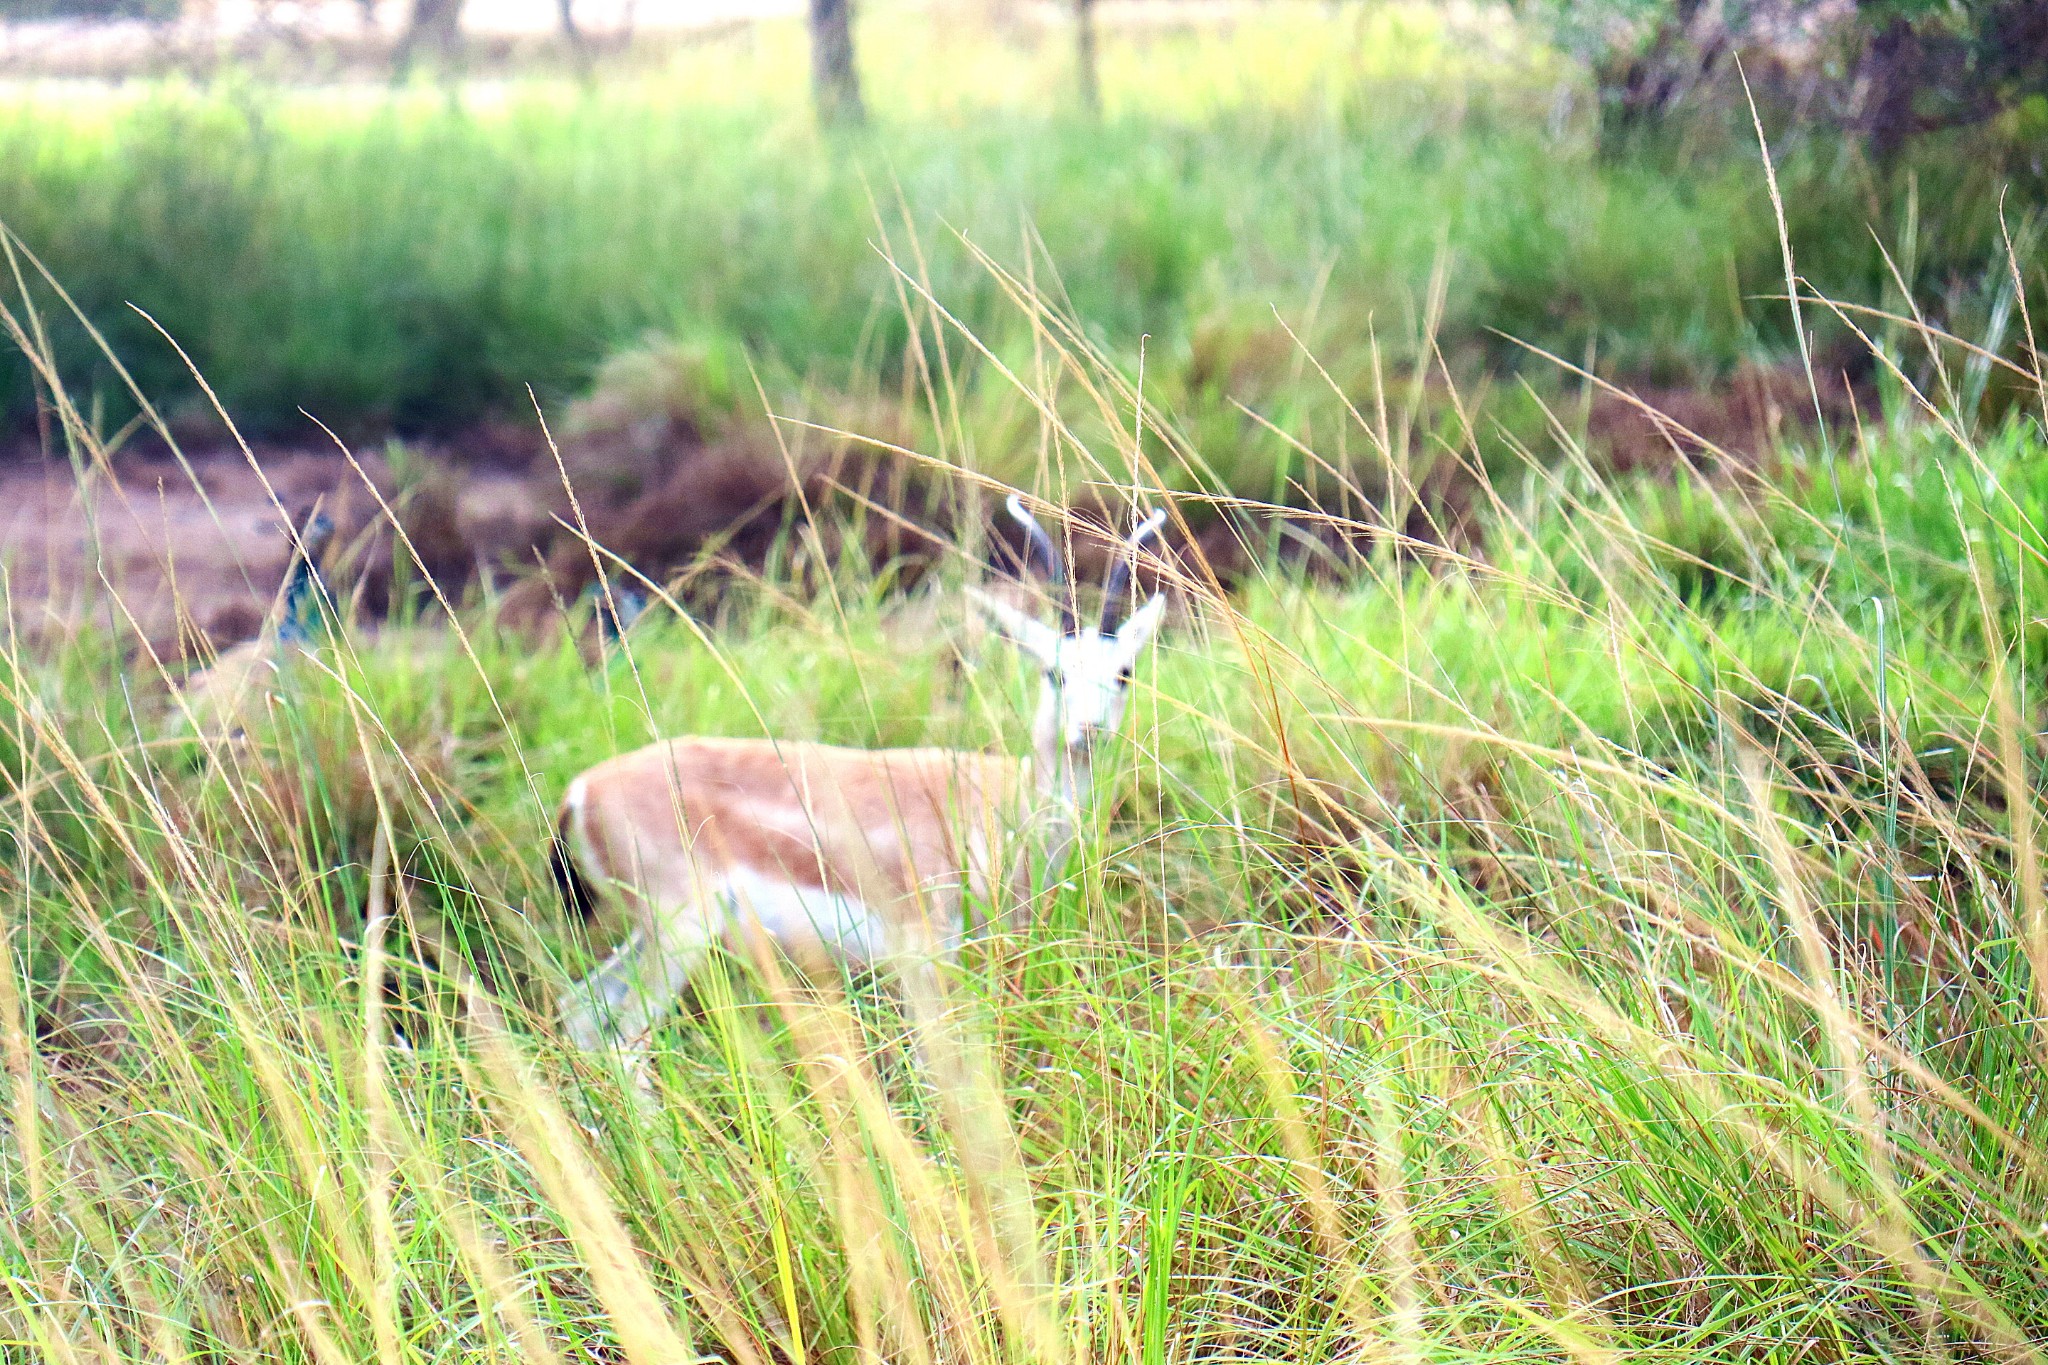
[(1626, 944), (413, 261)]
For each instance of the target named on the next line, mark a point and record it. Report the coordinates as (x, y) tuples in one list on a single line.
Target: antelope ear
[(1034, 637), (1140, 627)]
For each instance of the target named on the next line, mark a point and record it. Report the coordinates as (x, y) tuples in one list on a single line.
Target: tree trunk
[(1086, 67), (435, 23), (572, 35), (835, 83)]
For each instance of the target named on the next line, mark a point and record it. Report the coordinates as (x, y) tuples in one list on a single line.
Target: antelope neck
[(1061, 775)]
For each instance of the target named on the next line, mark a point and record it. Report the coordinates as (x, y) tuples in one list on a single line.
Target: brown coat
[(832, 850)]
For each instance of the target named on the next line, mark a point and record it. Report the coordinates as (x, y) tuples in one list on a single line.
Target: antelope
[(615, 608), (839, 856), (215, 699)]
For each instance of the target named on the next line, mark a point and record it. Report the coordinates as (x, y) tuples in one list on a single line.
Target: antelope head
[(1086, 669)]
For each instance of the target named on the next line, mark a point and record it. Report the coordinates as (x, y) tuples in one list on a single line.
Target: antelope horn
[(1119, 586), (1038, 545)]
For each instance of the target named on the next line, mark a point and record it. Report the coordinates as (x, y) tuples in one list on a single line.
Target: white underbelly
[(806, 919)]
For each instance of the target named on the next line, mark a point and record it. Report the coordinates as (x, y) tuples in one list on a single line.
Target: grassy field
[(1616, 931), (1626, 944), (1379, 176)]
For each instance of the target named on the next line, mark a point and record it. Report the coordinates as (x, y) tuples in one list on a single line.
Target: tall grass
[(415, 260), (1628, 942)]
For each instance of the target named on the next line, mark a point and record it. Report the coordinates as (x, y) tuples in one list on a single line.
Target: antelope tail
[(569, 881)]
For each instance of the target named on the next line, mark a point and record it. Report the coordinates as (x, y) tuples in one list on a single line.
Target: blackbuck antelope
[(861, 857), (216, 698), (615, 608)]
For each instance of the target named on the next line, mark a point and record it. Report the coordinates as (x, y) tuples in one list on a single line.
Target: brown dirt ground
[(194, 562), (1741, 419)]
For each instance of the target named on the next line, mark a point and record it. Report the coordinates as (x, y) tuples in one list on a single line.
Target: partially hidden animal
[(216, 700), (839, 856)]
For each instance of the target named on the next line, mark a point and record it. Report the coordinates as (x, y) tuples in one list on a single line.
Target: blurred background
[(416, 228)]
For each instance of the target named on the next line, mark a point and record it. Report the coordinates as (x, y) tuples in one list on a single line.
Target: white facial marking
[(1088, 681), (1087, 675), (1086, 687)]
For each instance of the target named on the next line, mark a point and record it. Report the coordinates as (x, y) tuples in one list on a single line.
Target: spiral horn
[(1039, 548), (1118, 588)]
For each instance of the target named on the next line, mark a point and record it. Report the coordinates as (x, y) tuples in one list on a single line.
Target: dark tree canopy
[(1883, 70)]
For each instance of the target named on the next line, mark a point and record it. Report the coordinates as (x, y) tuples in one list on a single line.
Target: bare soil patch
[(1742, 419), (189, 564)]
